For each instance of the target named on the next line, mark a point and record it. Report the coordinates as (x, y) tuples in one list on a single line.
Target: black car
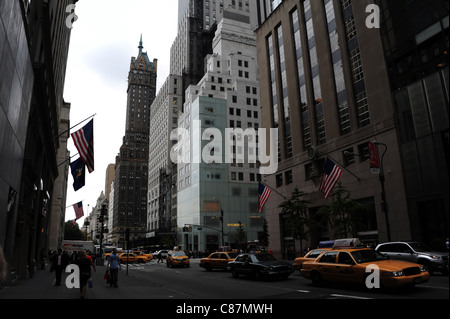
[(260, 265)]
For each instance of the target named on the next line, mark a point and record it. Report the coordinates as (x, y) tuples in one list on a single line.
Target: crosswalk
[(152, 265)]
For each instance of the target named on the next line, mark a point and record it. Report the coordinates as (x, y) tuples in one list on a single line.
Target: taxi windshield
[(367, 255), (178, 254)]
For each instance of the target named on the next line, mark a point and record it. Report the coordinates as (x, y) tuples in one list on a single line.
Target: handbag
[(91, 285), (106, 274)]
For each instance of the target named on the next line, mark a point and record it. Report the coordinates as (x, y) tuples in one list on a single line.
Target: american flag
[(263, 195), (84, 142), (330, 177), (78, 207)]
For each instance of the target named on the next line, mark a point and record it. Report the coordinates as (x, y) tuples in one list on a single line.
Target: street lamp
[(384, 205), (221, 218), (86, 224), (103, 212)]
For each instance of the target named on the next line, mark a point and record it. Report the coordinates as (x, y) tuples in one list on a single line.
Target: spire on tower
[(140, 45)]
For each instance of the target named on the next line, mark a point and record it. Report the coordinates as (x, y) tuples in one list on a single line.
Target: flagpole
[(67, 160), (359, 179), (74, 204), (75, 125), (274, 191)]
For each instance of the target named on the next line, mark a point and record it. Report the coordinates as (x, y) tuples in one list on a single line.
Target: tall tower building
[(197, 24), (130, 193), (218, 198)]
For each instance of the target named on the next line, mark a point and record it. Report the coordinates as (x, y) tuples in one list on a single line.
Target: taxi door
[(222, 262), (327, 266), (214, 260), (345, 270)]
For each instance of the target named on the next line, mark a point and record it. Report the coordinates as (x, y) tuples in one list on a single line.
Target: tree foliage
[(341, 213), (72, 232), (297, 210)]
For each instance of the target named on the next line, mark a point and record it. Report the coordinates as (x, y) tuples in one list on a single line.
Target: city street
[(195, 293), (157, 281)]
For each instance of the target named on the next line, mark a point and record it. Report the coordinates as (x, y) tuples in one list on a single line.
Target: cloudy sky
[(104, 38)]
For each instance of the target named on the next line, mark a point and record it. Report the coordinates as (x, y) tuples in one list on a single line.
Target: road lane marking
[(349, 296)]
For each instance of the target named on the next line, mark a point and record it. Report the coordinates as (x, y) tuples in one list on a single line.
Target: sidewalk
[(41, 287)]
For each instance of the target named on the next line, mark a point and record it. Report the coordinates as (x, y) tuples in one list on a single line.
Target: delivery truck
[(77, 245)]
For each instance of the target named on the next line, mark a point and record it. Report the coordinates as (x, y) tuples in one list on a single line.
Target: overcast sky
[(104, 38)]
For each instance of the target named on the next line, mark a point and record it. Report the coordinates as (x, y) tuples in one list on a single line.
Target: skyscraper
[(218, 196), (130, 193), (324, 86)]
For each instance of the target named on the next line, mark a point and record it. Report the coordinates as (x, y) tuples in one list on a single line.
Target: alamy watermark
[(72, 17), (373, 19), (228, 149), (373, 277), (73, 279)]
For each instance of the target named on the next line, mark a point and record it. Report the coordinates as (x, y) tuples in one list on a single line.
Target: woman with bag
[(84, 263)]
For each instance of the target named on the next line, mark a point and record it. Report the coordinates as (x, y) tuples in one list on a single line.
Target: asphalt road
[(196, 283)]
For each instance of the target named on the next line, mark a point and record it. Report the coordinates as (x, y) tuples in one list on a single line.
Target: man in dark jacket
[(60, 262)]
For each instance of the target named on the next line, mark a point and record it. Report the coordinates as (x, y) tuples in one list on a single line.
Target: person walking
[(114, 266), (60, 262), (85, 264), (160, 257)]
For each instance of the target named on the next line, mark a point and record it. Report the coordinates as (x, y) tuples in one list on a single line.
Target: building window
[(362, 106), (288, 177), (349, 157), (357, 69), (279, 180)]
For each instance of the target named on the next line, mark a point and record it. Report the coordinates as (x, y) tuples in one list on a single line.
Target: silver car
[(416, 252)]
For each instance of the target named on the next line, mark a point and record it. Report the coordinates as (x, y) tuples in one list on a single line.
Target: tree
[(264, 238), (72, 232), (241, 235), (297, 210), (342, 212)]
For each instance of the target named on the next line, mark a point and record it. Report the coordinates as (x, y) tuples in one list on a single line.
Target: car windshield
[(367, 255), (263, 257), (420, 247), (178, 253)]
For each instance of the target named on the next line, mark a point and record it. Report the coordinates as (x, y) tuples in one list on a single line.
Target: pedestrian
[(60, 262), (42, 258), (160, 257), (85, 264), (114, 266), (3, 266)]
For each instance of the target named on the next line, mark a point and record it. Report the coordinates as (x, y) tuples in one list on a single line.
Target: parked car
[(416, 252), (218, 260), (310, 256), (177, 259), (260, 265), (350, 265)]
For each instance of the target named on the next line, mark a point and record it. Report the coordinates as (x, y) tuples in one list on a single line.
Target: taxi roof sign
[(347, 243)]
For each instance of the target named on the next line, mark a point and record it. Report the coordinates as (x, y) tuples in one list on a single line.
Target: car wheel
[(316, 278), (234, 273)]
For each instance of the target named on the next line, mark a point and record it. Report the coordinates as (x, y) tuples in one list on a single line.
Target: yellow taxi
[(310, 256), (217, 260), (131, 258), (177, 259), (140, 253), (347, 263)]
